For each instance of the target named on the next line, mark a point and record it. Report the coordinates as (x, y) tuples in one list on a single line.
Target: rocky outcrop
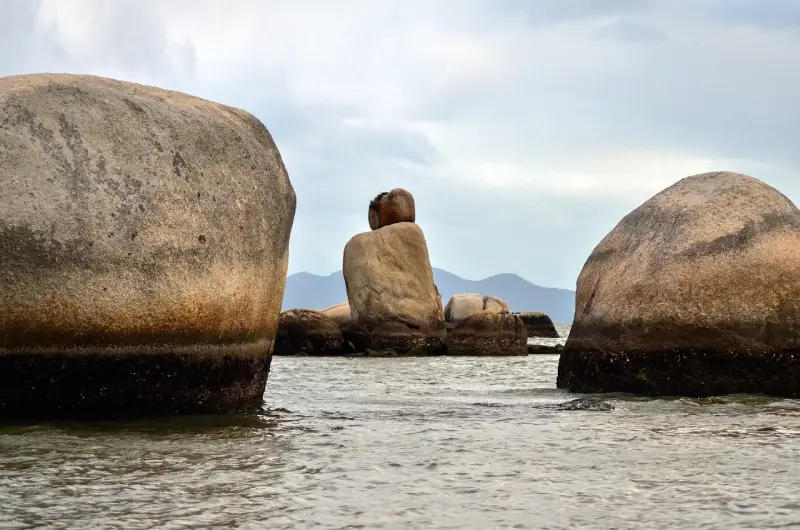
[(391, 292), (693, 293), (538, 325), (145, 239), (463, 305), (396, 206), (339, 313), (488, 333), (307, 332), (495, 305)]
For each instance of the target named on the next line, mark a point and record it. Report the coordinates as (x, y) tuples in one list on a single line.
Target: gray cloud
[(525, 130)]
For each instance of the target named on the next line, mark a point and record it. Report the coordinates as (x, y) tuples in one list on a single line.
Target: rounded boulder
[(488, 333), (538, 325), (388, 208), (694, 293), (145, 239)]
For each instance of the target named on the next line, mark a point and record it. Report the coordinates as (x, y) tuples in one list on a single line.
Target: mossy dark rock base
[(95, 383), (691, 373), (466, 344), (544, 349)]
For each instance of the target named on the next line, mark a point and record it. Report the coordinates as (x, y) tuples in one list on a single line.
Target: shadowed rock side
[(387, 208), (145, 237), (391, 291), (488, 333), (538, 325), (693, 293), (307, 332)]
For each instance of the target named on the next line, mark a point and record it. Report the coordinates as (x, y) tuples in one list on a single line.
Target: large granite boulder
[(488, 332), (538, 325), (144, 238), (307, 332), (387, 208), (339, 313), (695, 293), (390, 287)]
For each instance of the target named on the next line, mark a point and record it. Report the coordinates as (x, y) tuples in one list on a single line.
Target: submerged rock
[(588, 404), (145, 236), (538, 325), (540, 349), (693, 293), (488, 333), (390, 287), (307, 332)]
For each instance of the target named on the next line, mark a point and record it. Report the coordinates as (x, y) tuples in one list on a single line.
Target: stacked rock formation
[(389, 281), (144, 238), (695, 293), (483, 325)]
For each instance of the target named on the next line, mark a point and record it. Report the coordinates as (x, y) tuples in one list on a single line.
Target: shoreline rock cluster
[(394, 307), (145, 238)]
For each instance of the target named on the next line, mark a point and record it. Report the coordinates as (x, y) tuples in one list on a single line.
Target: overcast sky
[(526, 129)]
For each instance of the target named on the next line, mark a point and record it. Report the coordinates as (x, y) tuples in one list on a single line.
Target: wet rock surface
[(395, 206), (488, 333), (307, 332)]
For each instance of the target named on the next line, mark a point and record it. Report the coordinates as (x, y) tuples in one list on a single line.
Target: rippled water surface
[(415, 443)]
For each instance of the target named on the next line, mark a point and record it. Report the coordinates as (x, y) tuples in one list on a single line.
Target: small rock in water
[(586, 404), (540, 349)]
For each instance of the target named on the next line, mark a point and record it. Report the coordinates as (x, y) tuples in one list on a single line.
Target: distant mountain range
[(306, 290)]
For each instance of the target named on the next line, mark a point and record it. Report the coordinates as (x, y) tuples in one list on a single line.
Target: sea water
[(461, 443)]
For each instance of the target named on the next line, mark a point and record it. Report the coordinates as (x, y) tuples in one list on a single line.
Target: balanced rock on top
[(695, 292), (144, 238), (395, 206)]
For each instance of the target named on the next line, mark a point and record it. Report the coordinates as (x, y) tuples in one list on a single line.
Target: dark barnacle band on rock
[(684, 372), (112, 382)]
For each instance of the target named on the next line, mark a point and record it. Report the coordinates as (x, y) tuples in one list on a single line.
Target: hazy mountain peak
[(308, 290)]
